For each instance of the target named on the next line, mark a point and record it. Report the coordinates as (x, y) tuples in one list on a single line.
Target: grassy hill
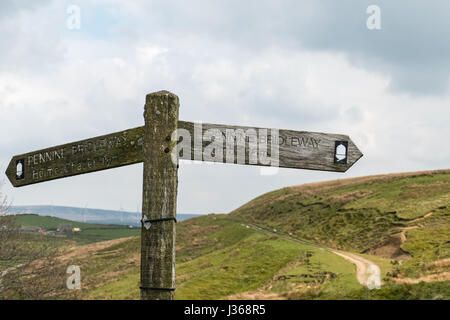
[(217, 258), (89, 215), (89, 232), (281, 245), (399, 216), (19, 248)]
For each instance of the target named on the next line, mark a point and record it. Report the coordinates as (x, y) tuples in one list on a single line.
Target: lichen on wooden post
[(159, 199)]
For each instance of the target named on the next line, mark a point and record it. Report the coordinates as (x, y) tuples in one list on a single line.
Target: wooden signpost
[(159, 144)]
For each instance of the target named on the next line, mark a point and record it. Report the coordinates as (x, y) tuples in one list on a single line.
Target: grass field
[(89, 232)]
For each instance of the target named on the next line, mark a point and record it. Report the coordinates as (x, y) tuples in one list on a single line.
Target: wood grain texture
[(297, 149), (159, 199), (89, 155)]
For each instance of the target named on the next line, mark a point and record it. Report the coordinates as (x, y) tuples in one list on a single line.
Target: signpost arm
[(159, 197)]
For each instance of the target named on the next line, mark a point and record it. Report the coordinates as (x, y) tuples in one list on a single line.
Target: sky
[(300, 65)]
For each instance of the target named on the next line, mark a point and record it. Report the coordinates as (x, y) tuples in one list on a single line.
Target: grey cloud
[(412, 46), (202, 34), (11, 7), (29, 39)]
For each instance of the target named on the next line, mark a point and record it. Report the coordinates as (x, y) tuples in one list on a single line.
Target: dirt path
[(361, 264), (441, 276), (421, 218), (402, 234)]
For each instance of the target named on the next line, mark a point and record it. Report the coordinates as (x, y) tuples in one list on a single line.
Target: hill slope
[(217, 258), (280, 245), (400, 216)]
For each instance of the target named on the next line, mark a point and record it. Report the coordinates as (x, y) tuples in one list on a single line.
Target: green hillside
[(89, 232), (366, 215), (282, 245), (218, 258), (23, 247)]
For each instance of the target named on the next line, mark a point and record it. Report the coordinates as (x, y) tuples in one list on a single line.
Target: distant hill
[(88, 233), (87, 215)]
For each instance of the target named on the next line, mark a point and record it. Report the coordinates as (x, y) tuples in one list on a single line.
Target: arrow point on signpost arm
[(353, 154), (12, 172)]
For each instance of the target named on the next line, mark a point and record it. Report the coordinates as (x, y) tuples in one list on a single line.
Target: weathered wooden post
[(153, 145), (159, 199)]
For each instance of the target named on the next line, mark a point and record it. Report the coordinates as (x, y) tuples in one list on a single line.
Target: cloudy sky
[(301, 65)]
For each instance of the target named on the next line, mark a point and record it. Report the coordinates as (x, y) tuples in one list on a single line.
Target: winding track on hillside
[(361, 263)]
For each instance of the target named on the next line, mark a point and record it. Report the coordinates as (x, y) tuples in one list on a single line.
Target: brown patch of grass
[(86, 250), (439, 263), (439, 266), (350, 196), (310, 290), (437, 277), (339, 183), (256, 295)]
